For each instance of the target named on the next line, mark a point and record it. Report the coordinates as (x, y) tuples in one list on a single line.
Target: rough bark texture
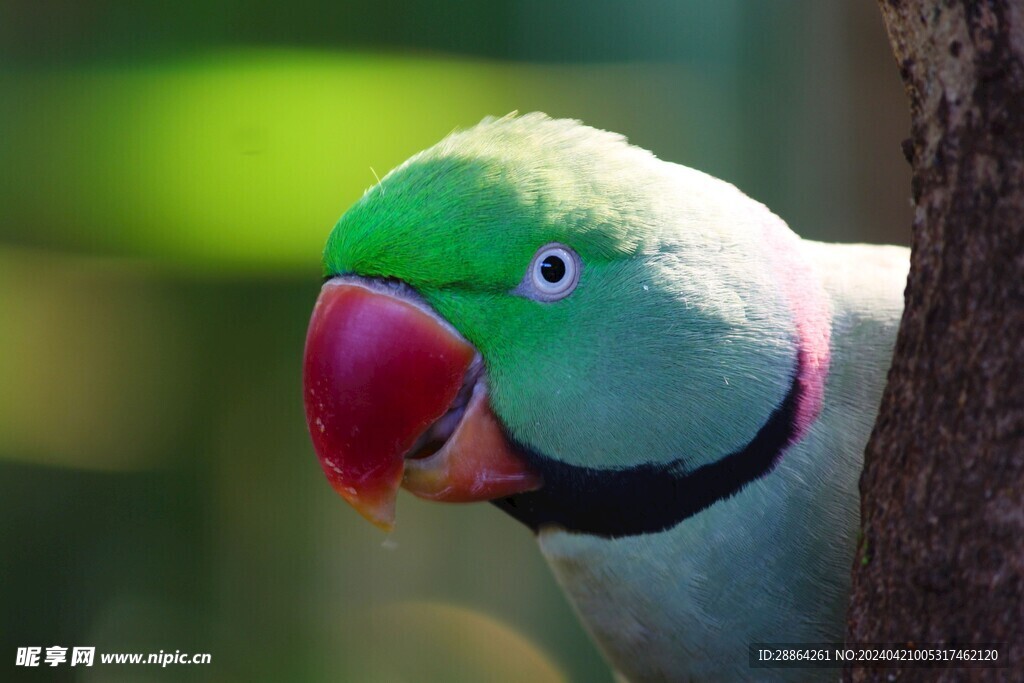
[(941, 558)]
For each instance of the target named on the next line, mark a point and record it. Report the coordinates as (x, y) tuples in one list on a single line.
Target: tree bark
[(941, 557)]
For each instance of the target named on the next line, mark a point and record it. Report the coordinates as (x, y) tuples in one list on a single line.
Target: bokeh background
[(168, 175)]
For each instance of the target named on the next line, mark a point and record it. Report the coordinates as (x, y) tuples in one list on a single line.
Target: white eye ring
[(553, 274)]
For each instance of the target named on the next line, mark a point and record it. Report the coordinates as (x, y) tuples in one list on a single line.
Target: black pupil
[(552, 269)]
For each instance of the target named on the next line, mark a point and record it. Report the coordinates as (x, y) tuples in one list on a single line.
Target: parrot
[(641, 364)]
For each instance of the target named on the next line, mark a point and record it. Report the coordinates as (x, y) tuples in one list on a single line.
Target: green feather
[(678, 342), (657, 322)]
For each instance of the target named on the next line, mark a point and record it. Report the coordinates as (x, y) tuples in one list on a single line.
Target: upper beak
[(386, 380)]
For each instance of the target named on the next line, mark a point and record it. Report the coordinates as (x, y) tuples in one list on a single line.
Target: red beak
[(384, 381)]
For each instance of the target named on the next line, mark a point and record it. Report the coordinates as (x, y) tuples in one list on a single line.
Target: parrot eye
[(553, 273)]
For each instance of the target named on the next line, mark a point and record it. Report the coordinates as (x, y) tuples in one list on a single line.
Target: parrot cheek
[(387, 382)]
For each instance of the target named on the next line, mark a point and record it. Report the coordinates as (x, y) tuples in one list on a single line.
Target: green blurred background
[(168, 175)]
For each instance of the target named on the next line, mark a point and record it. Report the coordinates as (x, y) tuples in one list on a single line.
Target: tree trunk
[(941, 558)]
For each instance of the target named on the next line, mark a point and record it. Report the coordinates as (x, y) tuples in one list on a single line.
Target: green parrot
[(637, 361)]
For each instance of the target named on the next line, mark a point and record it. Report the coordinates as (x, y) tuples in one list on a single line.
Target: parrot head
[(536, 313)]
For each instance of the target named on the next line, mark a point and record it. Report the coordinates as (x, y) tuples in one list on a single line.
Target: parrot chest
[(770, 564)]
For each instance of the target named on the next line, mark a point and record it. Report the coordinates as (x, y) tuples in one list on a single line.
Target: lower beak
[(384, 380)]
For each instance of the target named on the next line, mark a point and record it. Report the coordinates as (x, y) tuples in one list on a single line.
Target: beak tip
[(387, 526), (376, 507)]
